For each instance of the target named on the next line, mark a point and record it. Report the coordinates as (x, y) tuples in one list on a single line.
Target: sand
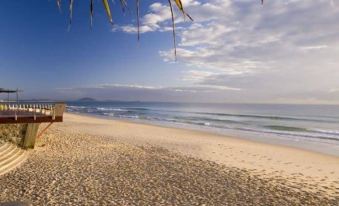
[(91, 161)]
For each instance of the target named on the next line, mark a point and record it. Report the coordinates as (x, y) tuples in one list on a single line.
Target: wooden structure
[(9, 91), (19, 124), (31, 114)]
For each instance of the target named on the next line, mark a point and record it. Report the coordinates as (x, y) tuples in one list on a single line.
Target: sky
[(285, 51)]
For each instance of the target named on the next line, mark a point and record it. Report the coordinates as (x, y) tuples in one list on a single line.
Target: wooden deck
[(14, 113), (26, 117)]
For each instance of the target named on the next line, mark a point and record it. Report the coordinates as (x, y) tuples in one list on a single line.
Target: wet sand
[(90, 161)]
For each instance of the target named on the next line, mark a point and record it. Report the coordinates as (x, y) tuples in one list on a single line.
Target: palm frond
[(108, 10), (181, 8), (91, 12), (70, 12), (123, 4), (138, 17), (173, 30), (59, 4)]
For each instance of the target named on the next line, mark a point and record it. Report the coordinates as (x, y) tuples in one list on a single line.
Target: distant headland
[(87, 99)]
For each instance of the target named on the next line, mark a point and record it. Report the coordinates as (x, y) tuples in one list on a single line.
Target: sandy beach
[(92, 161)]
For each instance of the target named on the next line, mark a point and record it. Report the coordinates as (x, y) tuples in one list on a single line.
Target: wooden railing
[(32, 110)]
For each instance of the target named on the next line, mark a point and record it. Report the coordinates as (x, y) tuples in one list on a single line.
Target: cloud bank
[(285, 50), (133, 92)]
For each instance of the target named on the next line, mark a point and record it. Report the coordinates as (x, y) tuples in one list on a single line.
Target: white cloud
[(273, 52), (132, 86), (153, 21), (134, 92), (315, 47)]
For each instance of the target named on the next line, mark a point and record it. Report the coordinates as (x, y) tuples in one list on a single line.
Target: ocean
[(311, 127)]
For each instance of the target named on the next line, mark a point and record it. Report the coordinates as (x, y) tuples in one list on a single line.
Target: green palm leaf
[(181, 8), (91, 12), (173, 30), (108, 11)]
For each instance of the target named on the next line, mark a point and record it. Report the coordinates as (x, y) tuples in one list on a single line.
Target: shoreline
[(265, 160), (94, 161), (256, 137)]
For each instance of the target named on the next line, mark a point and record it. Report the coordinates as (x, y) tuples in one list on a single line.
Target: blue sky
[(37, 50), (234, 51)]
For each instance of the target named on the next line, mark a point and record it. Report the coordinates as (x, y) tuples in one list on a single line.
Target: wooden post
[(30, 136), (58, 110)]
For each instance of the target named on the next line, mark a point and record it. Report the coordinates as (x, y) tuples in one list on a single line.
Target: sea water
[(313, 127)]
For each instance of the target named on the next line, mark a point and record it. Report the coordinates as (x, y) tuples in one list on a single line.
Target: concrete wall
[(13, 133)]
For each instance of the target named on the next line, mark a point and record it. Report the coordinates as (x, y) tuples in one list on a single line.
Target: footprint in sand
[(325, 187)]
